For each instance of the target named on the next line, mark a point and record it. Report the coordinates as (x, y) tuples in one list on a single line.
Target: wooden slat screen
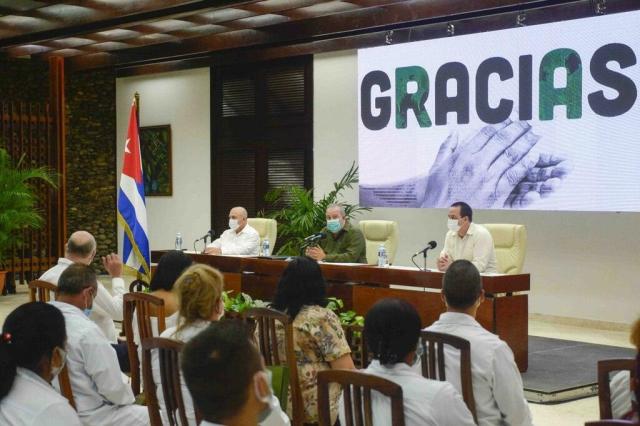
[(285, 91), (238, 97), (28, 129), (238, 172), (262, 134)]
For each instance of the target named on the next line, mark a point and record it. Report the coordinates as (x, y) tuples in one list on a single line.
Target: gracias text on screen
[(549, 96)]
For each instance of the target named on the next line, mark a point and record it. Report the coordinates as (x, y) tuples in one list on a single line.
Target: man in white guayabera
[(240, 238)]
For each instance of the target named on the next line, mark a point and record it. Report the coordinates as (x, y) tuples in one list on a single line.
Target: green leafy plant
[(299, 216), (349, 317), (240, 302), (18, 200)]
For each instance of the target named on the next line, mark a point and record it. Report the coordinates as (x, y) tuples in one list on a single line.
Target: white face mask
[(453, 225), (233, 224), (269, 400), (63, 356)]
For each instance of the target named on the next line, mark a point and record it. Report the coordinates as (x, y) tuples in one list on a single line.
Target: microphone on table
[(430, 246), (208, 235), (315, 237)]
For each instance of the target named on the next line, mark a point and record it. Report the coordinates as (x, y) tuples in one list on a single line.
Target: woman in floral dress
[(319, 342)]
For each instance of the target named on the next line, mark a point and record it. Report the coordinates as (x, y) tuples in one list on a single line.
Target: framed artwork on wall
[(155, 144)]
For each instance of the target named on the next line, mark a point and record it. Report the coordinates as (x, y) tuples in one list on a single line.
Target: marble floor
[(573, 413)]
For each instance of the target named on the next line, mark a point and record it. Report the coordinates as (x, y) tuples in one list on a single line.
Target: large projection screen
[(545, 117)]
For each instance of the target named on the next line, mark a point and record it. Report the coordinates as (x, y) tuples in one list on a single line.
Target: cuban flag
[(132, 210)]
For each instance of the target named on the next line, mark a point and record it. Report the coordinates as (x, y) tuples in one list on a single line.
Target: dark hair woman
[(318, 339), (392, 330), (171, 265), (31, 355)]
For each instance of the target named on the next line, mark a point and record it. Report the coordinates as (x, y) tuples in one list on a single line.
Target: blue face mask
[(334, 225), (87, 310)]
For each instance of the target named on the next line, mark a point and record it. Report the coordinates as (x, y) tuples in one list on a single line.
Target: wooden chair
[(65, 386), (40, 291), (168, 357), (605, 367), (433, 344), (359, 386), (265, 322), (359, 352), (137, 286), (145, 306), (611, 422)]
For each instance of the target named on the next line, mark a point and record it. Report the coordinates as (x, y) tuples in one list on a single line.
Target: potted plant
[(299, 216), (18, 203)]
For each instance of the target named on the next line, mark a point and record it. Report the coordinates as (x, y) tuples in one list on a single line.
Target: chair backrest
[(138, 285), (266, 332), (605, 367), (433, 344), (40, 291), (356, 397), (359, 352), (145, 306), (612, 422), (65, 386), (378, 232), (510, 242), (266, 228), (169, 360)]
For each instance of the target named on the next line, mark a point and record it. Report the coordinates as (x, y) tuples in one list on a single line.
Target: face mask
[(418, 355), (269, 400), (63, 356), (233, 224), (334, 225), (452, 224), (87, 310)]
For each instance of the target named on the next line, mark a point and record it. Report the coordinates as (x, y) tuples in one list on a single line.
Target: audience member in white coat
[(497, 385), (102, 397), (624, 392), (31, 355), (227, 379), (81, 248), (392, 330)]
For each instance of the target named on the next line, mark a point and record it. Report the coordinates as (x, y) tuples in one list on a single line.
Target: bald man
[(107, 307), (240, 238)]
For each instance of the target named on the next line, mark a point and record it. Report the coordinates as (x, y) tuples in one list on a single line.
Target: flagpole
[(136, 101)]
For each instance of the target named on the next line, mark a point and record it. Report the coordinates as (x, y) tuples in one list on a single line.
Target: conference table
[(504, 312)]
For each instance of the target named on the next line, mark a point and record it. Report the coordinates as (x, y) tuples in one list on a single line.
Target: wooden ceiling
[(119, 33)]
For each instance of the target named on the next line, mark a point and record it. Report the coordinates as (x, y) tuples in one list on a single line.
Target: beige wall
[(582, 265), (180, 99)]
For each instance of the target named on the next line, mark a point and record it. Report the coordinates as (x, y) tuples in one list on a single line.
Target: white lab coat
[(426, 402), (276, 417), (621, 394), (245, 242), (34, 402), (107, 307), (102, 397), (497, 384)]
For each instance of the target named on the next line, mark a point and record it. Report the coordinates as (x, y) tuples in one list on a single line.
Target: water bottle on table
[(266, 248), (178, 245), (383, 261)]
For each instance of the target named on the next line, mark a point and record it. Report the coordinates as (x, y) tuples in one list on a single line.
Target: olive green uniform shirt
[(347, 246)]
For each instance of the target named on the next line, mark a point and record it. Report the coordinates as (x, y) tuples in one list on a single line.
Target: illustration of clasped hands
[(498, 167)]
